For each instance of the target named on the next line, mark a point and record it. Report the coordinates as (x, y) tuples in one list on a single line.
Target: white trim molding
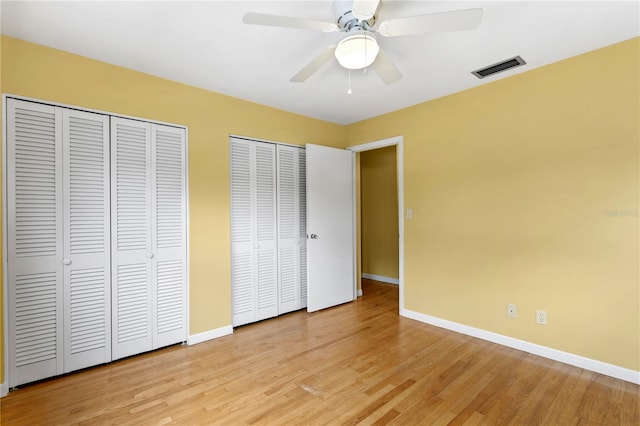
[(194, 339), (381, 278), (533, 348), (359, 292), (4, 389)]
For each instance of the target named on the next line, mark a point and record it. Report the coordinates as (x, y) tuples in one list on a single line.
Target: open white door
[(330, 227)]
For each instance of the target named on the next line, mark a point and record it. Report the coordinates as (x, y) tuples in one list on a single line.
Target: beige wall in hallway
[(379, 214)]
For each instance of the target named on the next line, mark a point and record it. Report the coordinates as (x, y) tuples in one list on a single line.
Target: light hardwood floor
[(356, 363)]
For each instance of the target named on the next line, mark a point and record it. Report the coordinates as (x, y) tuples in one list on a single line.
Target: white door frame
[(397, 142)]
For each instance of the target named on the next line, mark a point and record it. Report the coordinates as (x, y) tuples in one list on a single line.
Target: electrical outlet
[(541, 317), (512, 310)]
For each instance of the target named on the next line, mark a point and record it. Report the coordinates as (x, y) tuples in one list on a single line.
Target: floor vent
[(499, 67)]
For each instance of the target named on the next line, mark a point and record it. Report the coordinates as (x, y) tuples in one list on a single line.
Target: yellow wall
[(39, 72), (525, 191), (379, 212)]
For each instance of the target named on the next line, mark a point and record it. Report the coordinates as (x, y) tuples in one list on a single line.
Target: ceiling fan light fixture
[(357, 51)]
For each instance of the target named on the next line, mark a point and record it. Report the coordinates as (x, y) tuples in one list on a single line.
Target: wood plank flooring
[(359, 363)]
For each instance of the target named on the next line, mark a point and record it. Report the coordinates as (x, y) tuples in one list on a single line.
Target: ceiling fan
[(359, 49)]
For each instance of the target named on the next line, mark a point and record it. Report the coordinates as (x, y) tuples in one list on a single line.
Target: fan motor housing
[(346, 20)]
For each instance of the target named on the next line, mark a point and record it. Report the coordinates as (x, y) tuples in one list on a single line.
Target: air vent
[(499, 67)]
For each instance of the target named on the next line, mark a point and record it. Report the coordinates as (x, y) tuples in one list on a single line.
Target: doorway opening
[(379, 215), (394, 142)]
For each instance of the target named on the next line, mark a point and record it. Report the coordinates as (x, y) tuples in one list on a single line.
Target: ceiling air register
[(499, 67)]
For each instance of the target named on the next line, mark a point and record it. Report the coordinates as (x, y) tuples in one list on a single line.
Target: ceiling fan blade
[(288, 22), (325, 56), (364, 9), (385, 68), (457, 20)]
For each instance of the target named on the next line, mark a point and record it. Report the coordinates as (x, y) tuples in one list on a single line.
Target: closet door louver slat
[(34, 241)]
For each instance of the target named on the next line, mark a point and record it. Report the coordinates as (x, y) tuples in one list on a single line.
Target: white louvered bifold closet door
[(149, 260), (291, 233), (254, 279), (242, 220), (58, 240), (169, 236), (87, 283), (34, 241), (265, 238), (131, 247), (302, 228), (96, 238)]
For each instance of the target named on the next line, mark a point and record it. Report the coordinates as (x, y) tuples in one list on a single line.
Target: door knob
[(66, 262), (150, 255), (314, 236)]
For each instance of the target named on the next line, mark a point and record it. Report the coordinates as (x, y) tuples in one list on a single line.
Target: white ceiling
[(205, 44)]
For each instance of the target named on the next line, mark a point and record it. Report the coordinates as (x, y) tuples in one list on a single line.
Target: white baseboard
[(543, 351), (381, 278), (4, 389), (359, 292), (209, 335)]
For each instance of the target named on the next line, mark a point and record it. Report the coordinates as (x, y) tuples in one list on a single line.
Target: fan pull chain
[(365, 48), (349, 90)]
